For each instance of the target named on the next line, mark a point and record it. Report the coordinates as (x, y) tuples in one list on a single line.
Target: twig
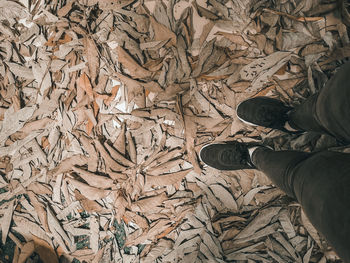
[(300, 18)]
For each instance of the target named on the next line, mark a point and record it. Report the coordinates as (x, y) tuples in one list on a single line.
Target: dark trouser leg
[(303, 116), (329, 110), (321, 184)]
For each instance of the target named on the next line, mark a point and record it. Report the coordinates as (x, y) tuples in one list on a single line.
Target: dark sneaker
[(264, 111), (226, 156)]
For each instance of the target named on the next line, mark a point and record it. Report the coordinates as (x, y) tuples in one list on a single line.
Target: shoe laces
[(268, 114), (230, 156)]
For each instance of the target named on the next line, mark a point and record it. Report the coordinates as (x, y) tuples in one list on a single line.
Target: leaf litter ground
[(105, 104)]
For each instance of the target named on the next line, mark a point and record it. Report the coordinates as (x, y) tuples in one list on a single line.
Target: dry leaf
[(261, 220), (40, 209), (133, 67), (6, 220), (117, 156), (88, 205), (224, 196), (121, 71), (92, 193), (92, 58), (85, 84), (131, 147), (161, 32), (234, 38), (112, 4), (190, 133), (112, 164), (165, 179), (94, 180), (148, 204), (26, 251), (67, 164)]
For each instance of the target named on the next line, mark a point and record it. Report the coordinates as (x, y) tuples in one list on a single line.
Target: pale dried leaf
[(91, 193), (92, 58), (6, 221)]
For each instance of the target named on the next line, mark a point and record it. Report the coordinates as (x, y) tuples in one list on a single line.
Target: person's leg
[(329, 110), (302, 117), (277, 166), (321, 184)]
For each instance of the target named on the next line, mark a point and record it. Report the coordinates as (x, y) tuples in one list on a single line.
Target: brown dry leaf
[(57, 230), (337, 54), (129, 82), (164, 167), (155, 230), (67, 164), (120, 204), (6, 221), (89, 206), (161, 32), (133, 67), (152, 86), (40, 210), (161, 45), (131, 147), (85, 254), (168, 230), (117, 156), (114, 4), (234, 38), (261, 220), (190, 134), (65, 9), (164, 157), (155, 65), (111, 97), (92, 193), (89, 126), (89, 147), (119, 143), (138, 220), (110, 163), (162, 247), (252, 70), (94, 180), (224, 196), (92, 58), (35, 125), (99, 255), (85, 85), (204, 12), (94, 233), (313, 49), (148, 204), (39, 188), (164, 179), (26, 251)]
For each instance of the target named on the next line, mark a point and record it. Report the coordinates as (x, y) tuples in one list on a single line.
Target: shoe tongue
[(229, 157), (272, 117), (267, 115)]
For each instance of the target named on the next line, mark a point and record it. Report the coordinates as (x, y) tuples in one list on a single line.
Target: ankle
[(252, 151)]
